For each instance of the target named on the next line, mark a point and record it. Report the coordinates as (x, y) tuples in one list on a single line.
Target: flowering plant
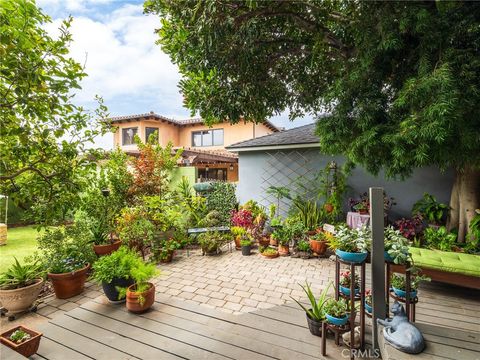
[(242, 218), (346, 277), (368, 297)]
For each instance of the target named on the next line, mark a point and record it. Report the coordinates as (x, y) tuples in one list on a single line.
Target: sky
[(116, 42)]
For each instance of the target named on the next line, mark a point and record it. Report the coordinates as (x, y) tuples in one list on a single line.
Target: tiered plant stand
[(407, 300), (352, 298)]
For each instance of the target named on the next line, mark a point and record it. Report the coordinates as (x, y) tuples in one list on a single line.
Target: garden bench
[(197, 231), (446, 267)]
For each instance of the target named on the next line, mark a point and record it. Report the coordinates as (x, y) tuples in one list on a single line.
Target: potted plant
[(315, 314), (141, 295), (20, 286), (269, 252), (237, 232), (211, 242), (346, 282), (318, 243), (246, 244), (303, 248), (352, 244), (166, 250), (396, 246), (135, 229), (431, 210), (22, 340), (114, 271), (439, 238), (362, 208), (66, 253), (282, 236), (399, 284), (368, 301), (336, 311)]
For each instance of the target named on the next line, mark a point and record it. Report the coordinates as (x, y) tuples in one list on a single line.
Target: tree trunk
[(464, 200)]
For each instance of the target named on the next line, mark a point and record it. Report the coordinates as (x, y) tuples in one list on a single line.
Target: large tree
[(400, 81), (43, 134)]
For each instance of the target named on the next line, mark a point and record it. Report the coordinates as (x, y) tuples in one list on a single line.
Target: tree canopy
[(44, 135), (399, 81)]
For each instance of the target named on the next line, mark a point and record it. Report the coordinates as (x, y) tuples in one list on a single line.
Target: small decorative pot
[(336, 321), (26, 348), (346, 290), (270, 256), (368, 308), (403, 293), (273, 242), (328, 208), (20, 300), (102, 250), (314, 326), (283, 250), (264, 241), (110, 289), (357, 257), (246, 250), (67, 285), (387, 256), (140, 302), (318, 247)]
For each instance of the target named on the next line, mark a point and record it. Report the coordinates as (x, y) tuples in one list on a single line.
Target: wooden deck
[(176, 329)]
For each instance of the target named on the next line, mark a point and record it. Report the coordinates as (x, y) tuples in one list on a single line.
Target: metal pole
[(378, 260)]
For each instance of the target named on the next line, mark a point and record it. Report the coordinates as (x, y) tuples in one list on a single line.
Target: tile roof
[(153, 115), (300, 135)]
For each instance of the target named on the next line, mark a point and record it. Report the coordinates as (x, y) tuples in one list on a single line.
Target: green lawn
[(21, 242)]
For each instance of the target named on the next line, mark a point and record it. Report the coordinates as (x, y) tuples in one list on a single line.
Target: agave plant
[(317, 311)]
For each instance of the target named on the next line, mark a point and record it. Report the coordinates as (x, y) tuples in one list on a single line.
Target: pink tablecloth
[(356, 220)]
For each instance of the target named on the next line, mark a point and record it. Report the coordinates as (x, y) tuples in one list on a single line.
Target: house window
[(128, 136), (149, 131), (212, 174), (207, 138)]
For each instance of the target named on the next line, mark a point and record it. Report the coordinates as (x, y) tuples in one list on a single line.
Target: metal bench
[(197, 231)]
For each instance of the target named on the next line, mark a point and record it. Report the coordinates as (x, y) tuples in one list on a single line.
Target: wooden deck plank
[(9, 354), (52, 350), (83, 345), (109, 338), (447, 333), (287, 317), (172, 326), (144, 330)]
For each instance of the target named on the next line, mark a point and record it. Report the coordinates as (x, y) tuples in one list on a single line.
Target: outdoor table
[(356, 220)]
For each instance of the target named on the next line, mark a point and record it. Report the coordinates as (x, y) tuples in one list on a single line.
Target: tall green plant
[(316, 312), (222, 198), (309, 213), (430, 209)]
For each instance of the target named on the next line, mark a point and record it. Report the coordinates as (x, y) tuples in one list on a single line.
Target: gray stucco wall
[(260, 169)]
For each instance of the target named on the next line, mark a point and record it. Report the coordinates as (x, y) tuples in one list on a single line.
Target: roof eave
[(273, 147)]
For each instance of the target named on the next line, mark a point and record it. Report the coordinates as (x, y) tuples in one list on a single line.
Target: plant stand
[(352, 298), (409, 302)]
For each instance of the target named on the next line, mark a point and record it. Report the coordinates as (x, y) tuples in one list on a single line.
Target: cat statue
[(400, 333)]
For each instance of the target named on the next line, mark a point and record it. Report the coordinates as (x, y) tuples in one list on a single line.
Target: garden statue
[(400, 333)]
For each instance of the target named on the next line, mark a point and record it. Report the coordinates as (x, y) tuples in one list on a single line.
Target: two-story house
[(204, 146)]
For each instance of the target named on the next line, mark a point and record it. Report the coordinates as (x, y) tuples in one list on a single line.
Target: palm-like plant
[(18, 276), (317, 311)]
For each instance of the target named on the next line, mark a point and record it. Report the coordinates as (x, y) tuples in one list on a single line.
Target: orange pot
[(28, 347), (328, 207), (67, 285), (237, 242), (283, 250), (140, 302), (102, 250), (318, 247)]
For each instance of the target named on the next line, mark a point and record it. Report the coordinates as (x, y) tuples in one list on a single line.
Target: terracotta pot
[(102, 250), (283, 250), (133, 299), (328, 207), (67, 285), (273, 242), (169, 257), (318, 247), (20, 300), (237, 242), (270, 256), (363, 212), (26, 348)]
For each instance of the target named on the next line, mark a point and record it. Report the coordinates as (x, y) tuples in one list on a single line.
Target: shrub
[(430, 209), (211, 241), (118, 264), (303, 246), (222, 198), (439, 239)]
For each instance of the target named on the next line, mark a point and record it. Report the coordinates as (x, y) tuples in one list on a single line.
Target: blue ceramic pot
[(351, 257), (387, 256), (368, 308), (403, 294), (346, 290), (337, 321)]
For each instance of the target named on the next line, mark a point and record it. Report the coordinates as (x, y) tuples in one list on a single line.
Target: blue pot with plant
[(352, 244), (396, 246), (399, 284), (336, 312), (346, 281), (368, 301)]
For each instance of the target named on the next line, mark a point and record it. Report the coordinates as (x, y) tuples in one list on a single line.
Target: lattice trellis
[(287, 168)]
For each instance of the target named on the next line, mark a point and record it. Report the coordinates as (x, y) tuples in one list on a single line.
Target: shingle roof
[(300, 135), (183, 122)]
